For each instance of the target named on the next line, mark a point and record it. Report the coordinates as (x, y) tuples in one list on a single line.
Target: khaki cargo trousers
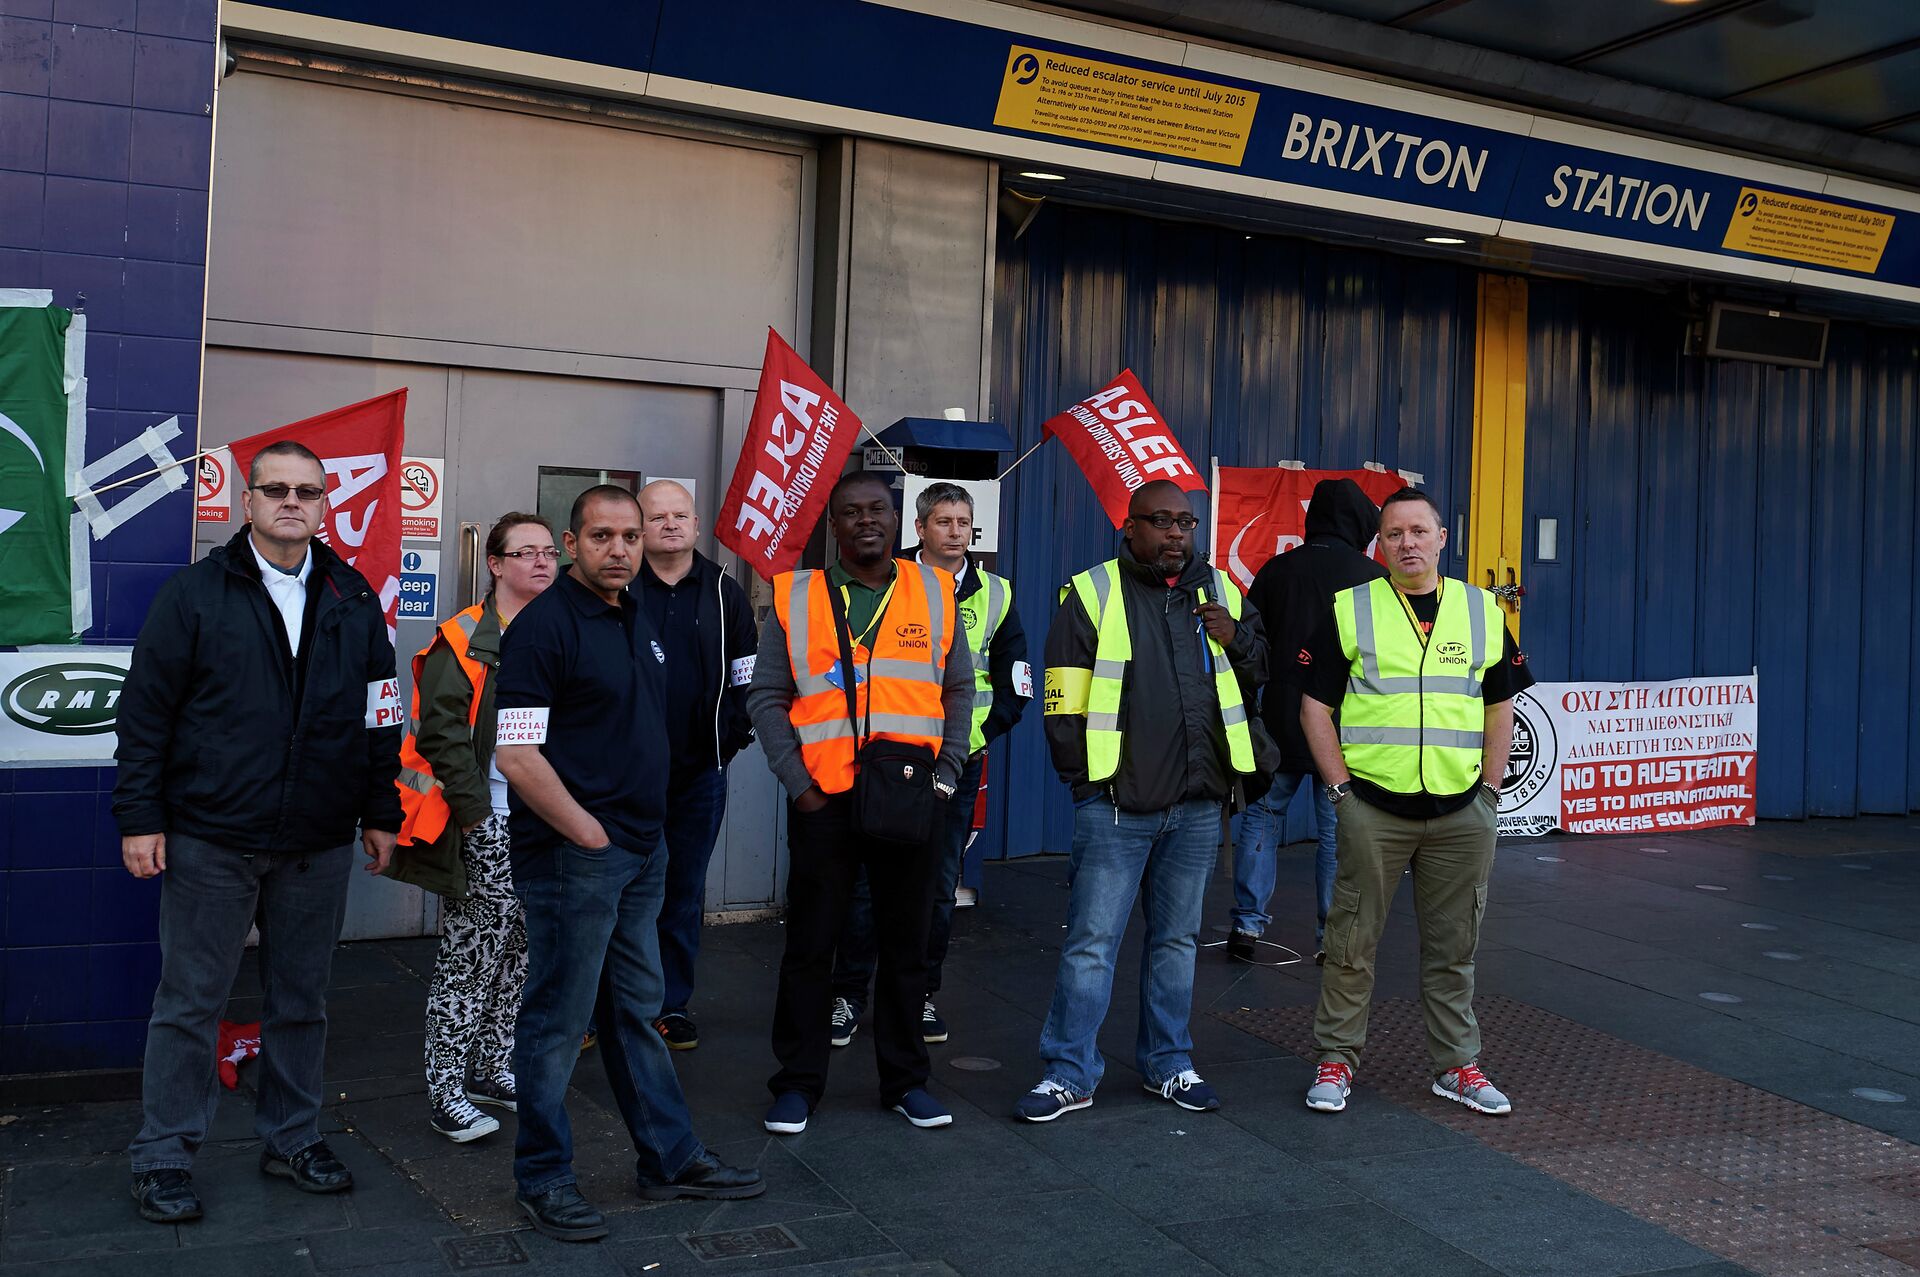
[(1451, 858)]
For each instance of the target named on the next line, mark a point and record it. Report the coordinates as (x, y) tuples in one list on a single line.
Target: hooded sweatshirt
[(1292, 591)]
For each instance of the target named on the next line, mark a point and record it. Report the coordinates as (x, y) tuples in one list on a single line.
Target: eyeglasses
[(550, 554), (1161, 519), (278, 491)]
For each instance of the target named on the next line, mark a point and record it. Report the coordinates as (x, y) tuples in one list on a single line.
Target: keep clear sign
[(419, 583)]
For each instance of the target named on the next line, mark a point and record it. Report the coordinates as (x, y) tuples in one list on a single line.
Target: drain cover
[(740, 1243), (974, 1064), (488, 1250)]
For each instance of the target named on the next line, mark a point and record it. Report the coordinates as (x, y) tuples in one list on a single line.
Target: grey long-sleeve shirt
[(771, 695)]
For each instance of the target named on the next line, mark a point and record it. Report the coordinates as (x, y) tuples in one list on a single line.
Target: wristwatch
[(1336, 792), (1491, 788), (943, 789)]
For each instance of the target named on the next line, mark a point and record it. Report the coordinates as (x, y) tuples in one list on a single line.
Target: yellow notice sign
[(1124, 106), (1798, 229)]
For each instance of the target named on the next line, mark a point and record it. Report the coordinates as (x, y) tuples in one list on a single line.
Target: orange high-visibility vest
[(424, 807), (901, 669)]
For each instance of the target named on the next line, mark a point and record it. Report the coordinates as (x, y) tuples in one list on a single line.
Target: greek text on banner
[(1071, 96)]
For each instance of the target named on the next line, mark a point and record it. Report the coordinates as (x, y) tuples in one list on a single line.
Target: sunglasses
[(278, 491)]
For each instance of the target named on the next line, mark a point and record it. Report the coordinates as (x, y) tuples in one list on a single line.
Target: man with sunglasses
[(1152, 661), (259, 725)]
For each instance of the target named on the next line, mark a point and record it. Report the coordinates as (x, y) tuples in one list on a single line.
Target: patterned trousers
[(480, 973)]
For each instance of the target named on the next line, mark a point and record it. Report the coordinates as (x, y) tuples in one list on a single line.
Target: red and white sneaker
[(1469, 1086), (1331, 1086)]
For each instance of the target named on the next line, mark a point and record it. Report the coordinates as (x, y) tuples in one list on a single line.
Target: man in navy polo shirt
[(582, 743)]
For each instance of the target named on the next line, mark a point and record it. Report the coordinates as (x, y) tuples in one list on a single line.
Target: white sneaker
[(1469, 1086), (1331, 1086)]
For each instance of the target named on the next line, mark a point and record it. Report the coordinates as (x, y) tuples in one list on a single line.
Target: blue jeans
[(1258, 833), (854, 955), (209, 897), (1118, 855), (591, 932), (698, 803)]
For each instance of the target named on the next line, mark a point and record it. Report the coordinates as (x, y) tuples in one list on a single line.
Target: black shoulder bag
[(893, 797)]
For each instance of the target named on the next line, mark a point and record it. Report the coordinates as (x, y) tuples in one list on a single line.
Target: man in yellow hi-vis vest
[(1423, 671), (1152, 661)]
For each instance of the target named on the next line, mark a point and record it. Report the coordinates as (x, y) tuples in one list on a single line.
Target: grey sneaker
[(1331, 1086), (845, 1021), (1469, 1086)]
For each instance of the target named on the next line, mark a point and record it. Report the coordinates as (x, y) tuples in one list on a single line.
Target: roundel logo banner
[(60, 707)]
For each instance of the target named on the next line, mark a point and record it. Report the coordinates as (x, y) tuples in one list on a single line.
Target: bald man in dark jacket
[(1291, 592)]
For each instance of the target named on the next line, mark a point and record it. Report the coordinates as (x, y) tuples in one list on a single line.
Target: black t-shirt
[(590, 667), (1321, 668), (673, 613)]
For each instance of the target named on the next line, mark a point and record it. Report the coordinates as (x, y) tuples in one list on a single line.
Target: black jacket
[(1009, 648), (225, 737), (1293, 591), (728, 633), (1173, 746)]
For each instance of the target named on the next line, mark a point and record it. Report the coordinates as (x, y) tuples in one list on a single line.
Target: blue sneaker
[(1049, 1100), (1188, 1091), (922, 1109), (788, 1115)]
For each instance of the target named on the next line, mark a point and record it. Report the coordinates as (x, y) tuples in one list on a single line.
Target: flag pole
[(148, 474), (1022, 457), (891, 454)]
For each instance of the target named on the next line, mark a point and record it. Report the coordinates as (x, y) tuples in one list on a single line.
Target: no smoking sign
[(213, 499), (421, 491)]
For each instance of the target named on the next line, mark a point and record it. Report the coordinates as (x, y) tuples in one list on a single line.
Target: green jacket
[(459, 757)]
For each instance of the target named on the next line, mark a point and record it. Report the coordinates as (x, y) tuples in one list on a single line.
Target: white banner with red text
[(1632, 758)]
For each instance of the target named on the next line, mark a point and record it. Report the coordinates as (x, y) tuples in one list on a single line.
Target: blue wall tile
[(91, 64), (173, 75), (167, 225), (58, 780), (131, 586), (121, 979), (26, 52), (49, 906), (61, 1048), (106, 834), (20, 267), (96, 13), (6, 887), (159, 374), (194, 19), (170, 149), (163, 299), (101, 280), (85, 215), (23, 132), (161, 534), (22, 202), (126, 909), (51, 831), (42, 985), (88, 139)]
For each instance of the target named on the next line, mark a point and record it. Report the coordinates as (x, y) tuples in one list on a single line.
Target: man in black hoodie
[(260, 724), (1291, 592), (706, 639)]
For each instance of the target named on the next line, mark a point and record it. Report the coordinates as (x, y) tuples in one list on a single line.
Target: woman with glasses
[(455, 840)]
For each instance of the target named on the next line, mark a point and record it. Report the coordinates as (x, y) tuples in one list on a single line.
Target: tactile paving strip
[(1780, 1187)]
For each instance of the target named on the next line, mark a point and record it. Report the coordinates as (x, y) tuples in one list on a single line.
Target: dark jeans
[(591, 935), (825, 854), (209, 897), (698, 803), (853, 958)]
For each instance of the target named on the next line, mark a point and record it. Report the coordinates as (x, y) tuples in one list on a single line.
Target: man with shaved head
[(704, 626), (1152, 661)]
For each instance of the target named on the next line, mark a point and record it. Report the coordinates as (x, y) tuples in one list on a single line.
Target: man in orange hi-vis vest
[(913, 684)]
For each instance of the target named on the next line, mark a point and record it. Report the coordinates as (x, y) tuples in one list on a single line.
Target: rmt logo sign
[(72, 698)]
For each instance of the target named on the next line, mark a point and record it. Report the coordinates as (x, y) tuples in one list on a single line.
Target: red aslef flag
[(359, 445), (797, 441), (1261, 511), (1120, 440)]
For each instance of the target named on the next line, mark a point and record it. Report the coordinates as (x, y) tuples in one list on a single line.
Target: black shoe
[(1241, 945), (706, 1176), (676, 1030), (562, 1214), (166, 1196), (314, 1169)]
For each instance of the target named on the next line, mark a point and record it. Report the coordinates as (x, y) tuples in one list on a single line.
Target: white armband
[(1023, 679), (383, 704), (522, 727), (741, 671)]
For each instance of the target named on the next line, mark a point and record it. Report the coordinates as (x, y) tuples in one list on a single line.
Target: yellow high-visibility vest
[(982, 613)]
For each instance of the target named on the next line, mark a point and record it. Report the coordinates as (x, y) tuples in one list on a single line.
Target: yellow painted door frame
[(1495, 527)]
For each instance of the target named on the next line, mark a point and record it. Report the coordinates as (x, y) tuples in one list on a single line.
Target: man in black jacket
[(707, 640), (260, 723), (1292, 592), (1152, 665)]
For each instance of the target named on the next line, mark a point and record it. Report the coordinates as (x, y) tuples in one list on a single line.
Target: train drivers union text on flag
[(1120, 440)]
